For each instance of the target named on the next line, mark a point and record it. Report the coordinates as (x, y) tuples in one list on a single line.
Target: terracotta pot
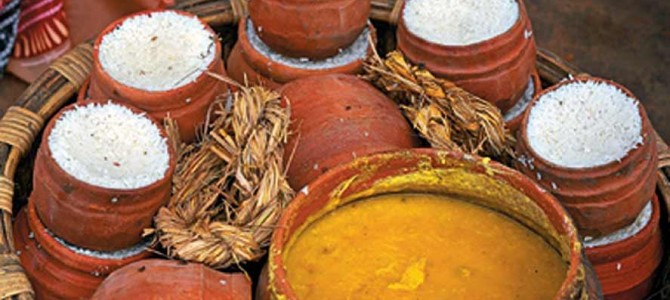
[(187, 104), (55, 271), (308, 28), (496, 69), (488, 184), (261, 69), (513, 124), (600, 199), (90, 216), (170, 279), (627, 269), (334, 119)]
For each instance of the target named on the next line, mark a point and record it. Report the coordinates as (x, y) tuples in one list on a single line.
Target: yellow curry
[(419, 246)]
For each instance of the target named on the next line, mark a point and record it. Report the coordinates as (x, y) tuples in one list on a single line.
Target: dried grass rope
[(229, 190), (447, 116)]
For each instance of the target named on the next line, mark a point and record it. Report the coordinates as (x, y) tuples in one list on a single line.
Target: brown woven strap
[(19, 126), (75, 65), (13, 280), (663, 152), (240, 9), (396, 12), (6, 194)]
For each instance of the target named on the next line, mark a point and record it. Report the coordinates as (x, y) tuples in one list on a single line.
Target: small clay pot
[(627, 269), (261, 69), (336, 118), (56, 271), (94, 217), (515, 123), (308, 28), (462, 176), (600, 199), (187, 105), (170, 279), (496, 69)]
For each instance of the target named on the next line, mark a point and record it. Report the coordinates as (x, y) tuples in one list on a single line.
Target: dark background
[(627, 41)]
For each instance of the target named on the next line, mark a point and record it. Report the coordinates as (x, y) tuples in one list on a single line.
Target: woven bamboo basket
[(23, 122)]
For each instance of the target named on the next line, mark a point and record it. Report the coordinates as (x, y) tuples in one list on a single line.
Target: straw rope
[(240, 9), (13, 280), (75, 65), (19, 127), (396, 12)]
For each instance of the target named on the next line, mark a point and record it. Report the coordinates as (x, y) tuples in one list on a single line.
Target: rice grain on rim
[(109, 146), (158, 51), (584, 124), (459, 22)]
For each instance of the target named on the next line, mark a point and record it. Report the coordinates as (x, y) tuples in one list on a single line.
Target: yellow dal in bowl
[(420, 246)]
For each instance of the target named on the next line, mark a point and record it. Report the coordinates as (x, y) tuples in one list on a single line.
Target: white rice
[(522, 104), (111, 255), (584, 124), (459, 22), (109, 146), (159, 51), (627, 232), (358, 50)]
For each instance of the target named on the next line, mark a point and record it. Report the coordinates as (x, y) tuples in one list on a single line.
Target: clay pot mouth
[(84, 262), (633, 240), (515, 114), (569, 172), (149, 98), (409, 171), (254, 50), (61, 173), (490, 44)]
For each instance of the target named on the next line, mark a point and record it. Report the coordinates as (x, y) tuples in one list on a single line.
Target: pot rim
[(282, 73), (537, 84), (61, 173), (487, 45), (148, 98), (65, 255), (568, 172), (565, 226)]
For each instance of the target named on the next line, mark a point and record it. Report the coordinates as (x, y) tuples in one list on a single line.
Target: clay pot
[(261, 69), (514, 123), (169, 279), (187, 105), (600, 199), (334, 119), (308, 28), (626, 269), (90, 216), (463, 176), (55, 271), (496, 69)]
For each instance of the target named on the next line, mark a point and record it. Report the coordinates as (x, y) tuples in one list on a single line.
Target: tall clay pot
[(169, 279), (187, 105), (496, 69), (56, 271), (91, 216), (463, 176), (600, 199), (627, 268), (260, 68), (308, 28), (336, 118)]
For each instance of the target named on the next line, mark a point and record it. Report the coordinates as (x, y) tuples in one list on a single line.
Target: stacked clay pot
[(605, 199), (336, 118), (187, 104), (169, 279), (73, 233), (496, 69), (286, 40)]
